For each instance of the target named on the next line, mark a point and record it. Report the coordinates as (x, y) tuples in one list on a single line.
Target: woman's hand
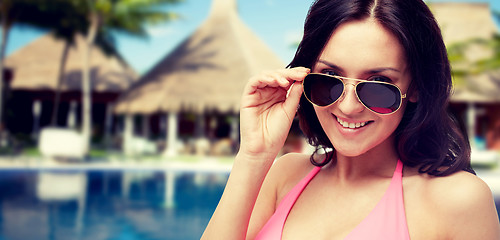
[(266, 116), (267, 112)]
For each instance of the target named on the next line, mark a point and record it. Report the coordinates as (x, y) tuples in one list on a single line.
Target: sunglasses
[(324, 90)]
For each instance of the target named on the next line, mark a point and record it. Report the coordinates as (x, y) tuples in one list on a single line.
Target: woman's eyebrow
[(329, 64), (379, 70), (371, 71)]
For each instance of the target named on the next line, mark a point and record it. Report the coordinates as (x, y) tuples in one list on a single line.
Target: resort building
[(32, 94), (193, 94), (189, 101), (476, 97)]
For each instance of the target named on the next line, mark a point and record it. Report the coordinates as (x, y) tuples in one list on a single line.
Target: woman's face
[(362, 50)]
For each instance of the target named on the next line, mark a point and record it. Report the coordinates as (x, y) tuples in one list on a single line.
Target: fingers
[(294, 74), (293, 99), (281, 78)]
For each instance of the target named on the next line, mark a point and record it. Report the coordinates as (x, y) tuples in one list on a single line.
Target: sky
[(278, 23)]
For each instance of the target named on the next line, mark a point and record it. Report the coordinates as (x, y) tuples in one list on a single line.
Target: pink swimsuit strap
[(386, 221)]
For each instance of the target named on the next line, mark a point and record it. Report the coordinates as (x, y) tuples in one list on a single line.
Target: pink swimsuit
[(386, 221)]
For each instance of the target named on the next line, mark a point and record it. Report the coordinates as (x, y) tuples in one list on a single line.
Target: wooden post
[(71, 120), (108, 125), (146, 132), (200, 130), (128, 134), (471, 124), (172, 131), (37, 110)]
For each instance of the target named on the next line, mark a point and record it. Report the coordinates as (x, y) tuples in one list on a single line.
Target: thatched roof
[(36, 65), (465, 21), (206, 71), (461, 21)]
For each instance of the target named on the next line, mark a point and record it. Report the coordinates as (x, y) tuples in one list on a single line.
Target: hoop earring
[(328, 157)]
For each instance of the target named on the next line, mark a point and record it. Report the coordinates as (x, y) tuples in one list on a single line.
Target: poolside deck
[(179, 164)]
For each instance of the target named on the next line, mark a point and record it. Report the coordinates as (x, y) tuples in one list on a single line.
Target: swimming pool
[(90, 204)]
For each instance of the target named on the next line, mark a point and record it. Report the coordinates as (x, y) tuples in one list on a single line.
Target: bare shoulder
[(277, 181), (295, 162), (463, 203), (458, 191), (288, 170)]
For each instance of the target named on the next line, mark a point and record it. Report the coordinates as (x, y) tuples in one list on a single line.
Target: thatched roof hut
[(36, 67), (460, 22), (33, 89), (476, 100), (205, 72)]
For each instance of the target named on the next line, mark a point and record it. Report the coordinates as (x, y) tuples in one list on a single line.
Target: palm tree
[(65, 24), (96, 19), (57, 16), (105, 16)]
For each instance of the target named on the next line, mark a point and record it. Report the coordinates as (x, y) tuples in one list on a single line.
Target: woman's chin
[(350, 151)]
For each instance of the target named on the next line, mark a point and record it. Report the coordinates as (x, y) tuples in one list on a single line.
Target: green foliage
[(456, 52), (95, 19), (128, 16), (66, 18), (463, 67), (59, 16), (456, 55), (493, 62), (32, 152)]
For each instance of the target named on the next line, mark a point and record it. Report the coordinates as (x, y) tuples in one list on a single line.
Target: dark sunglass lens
[(379, 97), (322, 90)]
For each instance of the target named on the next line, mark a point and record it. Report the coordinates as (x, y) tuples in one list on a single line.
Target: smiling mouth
[(352, 125)]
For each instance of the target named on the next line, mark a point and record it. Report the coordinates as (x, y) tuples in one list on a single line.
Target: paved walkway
[(207, 164)]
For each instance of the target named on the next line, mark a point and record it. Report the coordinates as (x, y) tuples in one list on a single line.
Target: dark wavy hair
[(427, 137)]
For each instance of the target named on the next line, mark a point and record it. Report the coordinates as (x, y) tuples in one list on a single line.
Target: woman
[(371, 81)]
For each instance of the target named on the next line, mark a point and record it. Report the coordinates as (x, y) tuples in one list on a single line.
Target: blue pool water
[(114, 205)]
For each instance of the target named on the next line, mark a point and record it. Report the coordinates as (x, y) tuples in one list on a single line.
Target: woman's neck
[(379, 161)]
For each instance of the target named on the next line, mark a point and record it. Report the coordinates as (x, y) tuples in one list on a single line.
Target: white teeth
[(351, 125)]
